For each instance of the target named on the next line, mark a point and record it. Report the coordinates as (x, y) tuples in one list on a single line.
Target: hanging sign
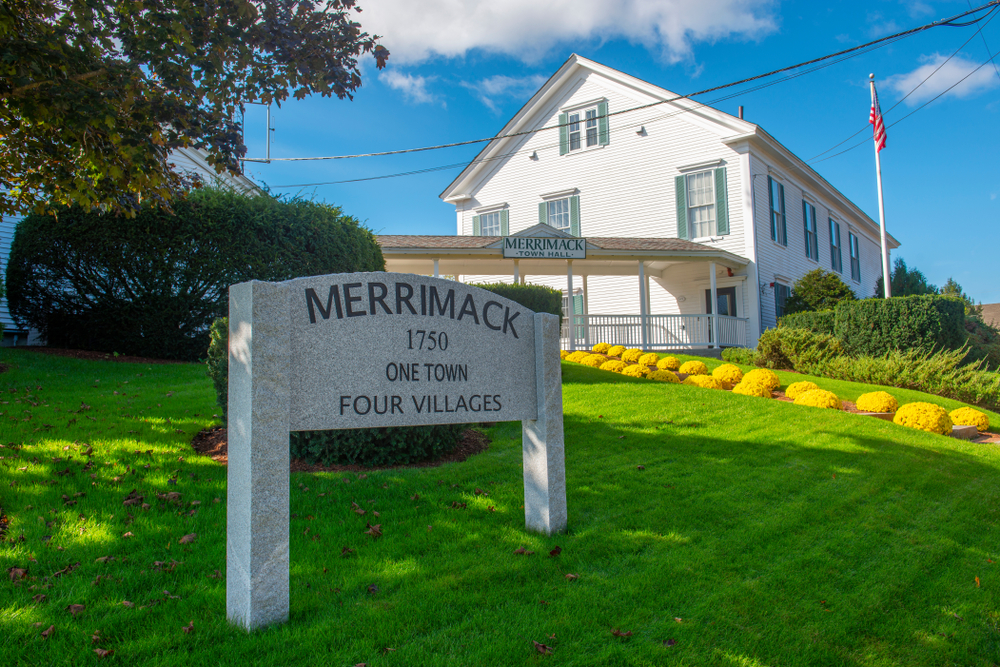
[(532, 247)]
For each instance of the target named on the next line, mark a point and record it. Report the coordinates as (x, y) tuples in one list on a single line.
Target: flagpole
[(886, 286)]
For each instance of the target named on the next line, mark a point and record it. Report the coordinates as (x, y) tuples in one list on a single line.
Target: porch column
[(586, 314), (436, 267), (517, 271), (713, 305), (569, 291), (642, 305)]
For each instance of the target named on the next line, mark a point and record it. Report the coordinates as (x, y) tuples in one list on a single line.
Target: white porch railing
[(662, 331)]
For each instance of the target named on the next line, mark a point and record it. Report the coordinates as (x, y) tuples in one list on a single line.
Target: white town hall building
[(676, 201)]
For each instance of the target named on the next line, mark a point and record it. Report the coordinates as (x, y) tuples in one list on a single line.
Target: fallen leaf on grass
[(66, 570), (17, 573), (415, 496), (127, 535), (523, 552), (47, 633), (189, 628), (457, 505), (375, 531), (188, 539), (387, 650), (372, 589), (618, 633), (133, 498), (96, 637), (977, 582), (555, 552), (102, 652), (346, 551), (75, 609), (491, 508), (356, 508), (571, 577), (128, 604), (104, 559), (542, 648), (669, 642), (38, 599), (678, 619), (640, 467)]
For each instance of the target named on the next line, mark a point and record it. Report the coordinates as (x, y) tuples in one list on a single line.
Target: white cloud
[(492, 90), (414, 88), (953, 71), (528, 29)]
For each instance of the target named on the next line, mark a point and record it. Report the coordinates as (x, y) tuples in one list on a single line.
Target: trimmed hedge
[(817, 322), (152, 285), (538, 298), (874, 327), (797, 349)]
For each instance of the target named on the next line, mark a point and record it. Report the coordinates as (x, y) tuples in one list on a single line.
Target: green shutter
[(563, 134), (574, 215), (476, 226), (578, 304), (805, 225), (602, 124), (543, 213), (784, 218), (504, 223), (721, 202), (770, 208), (680, 190)]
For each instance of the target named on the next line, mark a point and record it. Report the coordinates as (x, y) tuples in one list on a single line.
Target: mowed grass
[(705, 528)]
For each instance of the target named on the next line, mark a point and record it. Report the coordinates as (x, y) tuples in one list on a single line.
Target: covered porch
[(583, 326)]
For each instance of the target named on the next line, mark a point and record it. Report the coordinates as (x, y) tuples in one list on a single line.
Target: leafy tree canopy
[(953, 289), (905, 281), (95, 93), (818, 290)]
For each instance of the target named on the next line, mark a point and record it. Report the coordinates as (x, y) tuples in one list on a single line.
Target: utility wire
[(893, 37), (995, 68), (914, 89)]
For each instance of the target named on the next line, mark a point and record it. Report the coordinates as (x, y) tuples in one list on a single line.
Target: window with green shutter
[(836, 255), (562, 214), (776, 200), (477, 227), (680, 194), (580, 129)]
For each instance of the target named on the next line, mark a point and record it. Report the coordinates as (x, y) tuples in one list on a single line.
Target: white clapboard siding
[(7, 226)]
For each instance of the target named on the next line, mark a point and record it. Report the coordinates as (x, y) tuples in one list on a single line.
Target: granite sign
[(544, 247), (364, 350)]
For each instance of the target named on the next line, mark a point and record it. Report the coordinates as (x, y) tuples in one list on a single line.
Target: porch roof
[(483, 255)]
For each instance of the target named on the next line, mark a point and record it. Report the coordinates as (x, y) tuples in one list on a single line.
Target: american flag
[(875, 118)]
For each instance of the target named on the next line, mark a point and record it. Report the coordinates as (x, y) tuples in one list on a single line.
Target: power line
[(995, 69), (893, 37)]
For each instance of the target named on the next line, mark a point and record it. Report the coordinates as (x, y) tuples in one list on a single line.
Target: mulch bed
[(213, 442), (90, 355)]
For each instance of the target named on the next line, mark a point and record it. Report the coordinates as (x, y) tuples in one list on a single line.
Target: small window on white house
[(490, 224), (812, 238), (562, 213), (701, 204), (583, 128), (855, 257), (776, 203), (558, 215), (836, 258), (781, 294)]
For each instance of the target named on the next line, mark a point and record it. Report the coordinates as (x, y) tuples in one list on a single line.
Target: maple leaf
[(17, 573), (356, 508), (618, 633), (542, 648), (102, 652), (48, 633), (75, 609), (555, 552), (188, 539), (375, 531)]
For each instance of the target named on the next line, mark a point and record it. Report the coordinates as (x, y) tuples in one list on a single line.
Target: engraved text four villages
[(349, 300)]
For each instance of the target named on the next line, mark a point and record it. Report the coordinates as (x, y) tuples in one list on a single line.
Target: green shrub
[(739, 355), (371, 447), (818, 322), (943, 373), (798, 349), (816, 291), (217, 362), (537, 298), (874, 327), (983, 341), (151, 286)]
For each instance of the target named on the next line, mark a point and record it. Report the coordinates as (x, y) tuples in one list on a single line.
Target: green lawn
[(716, 529)]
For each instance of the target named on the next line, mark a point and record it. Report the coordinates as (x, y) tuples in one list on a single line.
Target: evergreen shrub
[(798, 349), (537, 298), (817, 322), (873, 327), (152, 285), (740, 355)]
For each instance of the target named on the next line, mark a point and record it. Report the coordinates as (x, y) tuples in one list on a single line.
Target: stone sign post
[(362, 350)]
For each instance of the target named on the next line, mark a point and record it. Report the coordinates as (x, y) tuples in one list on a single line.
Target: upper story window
[(584, 127), (776, 199), (493, 223), (701, 203), (836, 261), (812, 238), (562, 213), (855, 257)]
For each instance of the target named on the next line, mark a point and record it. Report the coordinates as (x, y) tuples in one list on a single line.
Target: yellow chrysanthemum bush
[(819, 398), (601, 348), (663, 376), (728, 374), (796, 389), (614, 366), (616, 350), (668, 364), (877, 401), (636, 371), (765, 377), (751, 388), (970, 417), (595, 360), (924, 416), (563, 354), (578, 356), (703, 381), (631, 355), (649, 359), (694, 368)]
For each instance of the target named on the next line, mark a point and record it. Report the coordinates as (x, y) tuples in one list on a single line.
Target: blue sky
[(460, 70)]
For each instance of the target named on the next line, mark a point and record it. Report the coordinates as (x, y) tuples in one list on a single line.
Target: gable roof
[(731, 130)]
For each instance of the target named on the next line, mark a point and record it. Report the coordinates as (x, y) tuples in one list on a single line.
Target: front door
[(725, 303)]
